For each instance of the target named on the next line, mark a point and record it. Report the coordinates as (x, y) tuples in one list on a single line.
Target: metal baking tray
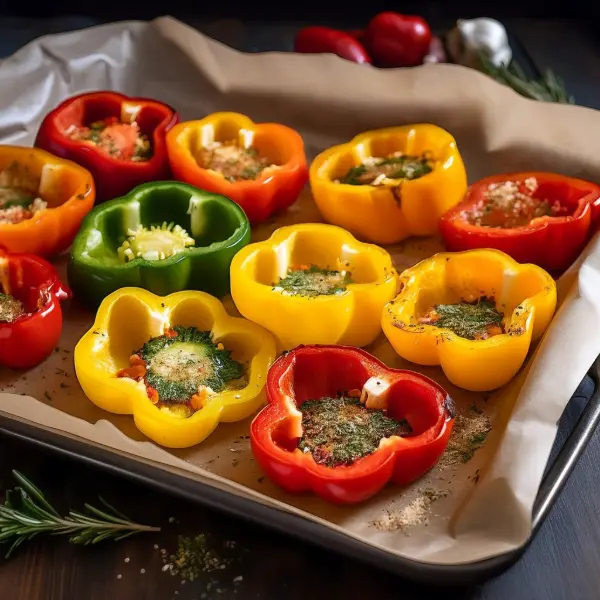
[(558, 471)]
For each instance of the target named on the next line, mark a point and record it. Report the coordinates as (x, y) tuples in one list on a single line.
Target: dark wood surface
[(563, 561)]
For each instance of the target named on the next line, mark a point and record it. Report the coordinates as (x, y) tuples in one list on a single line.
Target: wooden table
[(563, 561)]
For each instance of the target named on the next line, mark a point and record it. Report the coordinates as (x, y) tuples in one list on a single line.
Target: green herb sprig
[(550, 88), (26, 513)]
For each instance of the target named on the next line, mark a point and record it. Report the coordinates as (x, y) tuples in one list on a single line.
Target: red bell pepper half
[(317, 39), (113, 175), (552, 241), (30, 338), (314, 372)]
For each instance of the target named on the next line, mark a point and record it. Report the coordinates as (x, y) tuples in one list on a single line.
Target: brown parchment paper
[(469, 507)]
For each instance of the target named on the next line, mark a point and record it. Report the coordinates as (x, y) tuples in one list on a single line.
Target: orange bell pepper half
[(67, 188), (261, 166)]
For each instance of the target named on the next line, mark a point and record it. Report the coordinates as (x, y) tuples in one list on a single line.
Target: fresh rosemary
[(549, 88), (26, 512)]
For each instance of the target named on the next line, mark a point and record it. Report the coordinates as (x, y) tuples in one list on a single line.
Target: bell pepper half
[(261, 166), (64, 191), (318, 373), (127, 320), (488, 309), (389, 184), (363, 275), (163, 236), (120, 140), (535, 217), (30, 312)]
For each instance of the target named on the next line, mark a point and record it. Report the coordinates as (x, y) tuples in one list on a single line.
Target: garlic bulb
[(473, 36)]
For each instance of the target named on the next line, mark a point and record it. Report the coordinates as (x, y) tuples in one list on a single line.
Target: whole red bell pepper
[(316, 372), (114, 176), (396, 40), (552, 241), (31, 337), (326, 40)]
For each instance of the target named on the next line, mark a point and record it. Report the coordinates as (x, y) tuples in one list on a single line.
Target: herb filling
[(388, 170), (310, 280), (183, 367), (19, 198), (339, 431), (233, 161), (10, 308), (123, 141), (512, 204), (477, 320)]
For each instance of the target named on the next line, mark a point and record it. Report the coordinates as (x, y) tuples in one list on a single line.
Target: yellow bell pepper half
[(351, 317), (525, 294), (130, 317), (391, 212)]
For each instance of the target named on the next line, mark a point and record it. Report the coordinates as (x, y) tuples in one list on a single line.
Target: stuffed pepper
[(474, 313), (389, 184), (314, 284), (120, 140), (179, 364), (539, 218), (262, 166), (43, 200), (30, 312), (164, 237), (342, 424)]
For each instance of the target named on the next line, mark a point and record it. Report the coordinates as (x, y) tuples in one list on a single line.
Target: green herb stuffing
[(10, 308), (177, 366), (393, 167), (12, 196), (339, 431), (470, 320), (313, 281)]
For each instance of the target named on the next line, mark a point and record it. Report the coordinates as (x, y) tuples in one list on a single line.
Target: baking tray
[(557, 473)]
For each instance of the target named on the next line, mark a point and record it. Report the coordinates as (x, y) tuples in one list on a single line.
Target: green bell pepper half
[(218, 226)]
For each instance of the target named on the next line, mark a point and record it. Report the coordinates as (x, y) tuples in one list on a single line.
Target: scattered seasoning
[(414, 513), (468, 435), (47, 396), (339, 431), (476, 320), (311, 281), (388, 170)]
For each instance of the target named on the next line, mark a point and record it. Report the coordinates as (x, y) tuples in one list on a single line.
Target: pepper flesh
[(69, 192), (130, 317), (113, 177), (273, 190), (524, 293), (552, 242), (217, 225), (312, 372), (385, 214), (31, 337), (351, 317)]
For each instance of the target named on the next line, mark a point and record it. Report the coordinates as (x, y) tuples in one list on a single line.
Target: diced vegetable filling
[(10, 308), (478, 320), (156, 242), (123, 141), (338, 431), (183, 368), (389, 170), (310, 280), (512, 204), (233, 161), (19, 199)]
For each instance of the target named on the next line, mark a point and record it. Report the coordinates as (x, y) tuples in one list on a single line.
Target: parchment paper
[(468, 508)]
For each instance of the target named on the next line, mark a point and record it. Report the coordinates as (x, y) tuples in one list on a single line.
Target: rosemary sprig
[(550, 88), (26, 513)]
